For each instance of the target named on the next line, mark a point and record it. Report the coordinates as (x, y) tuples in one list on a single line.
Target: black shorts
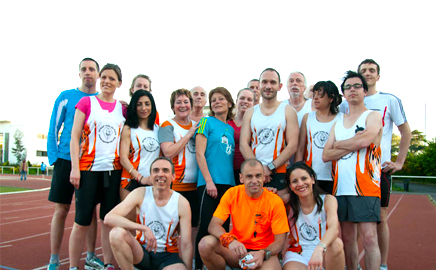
[(132, 185), (95, 188), (157, 261), (385, 187), (326, 186), (61, 190), (278, 181), (358, 209), (192, 198)]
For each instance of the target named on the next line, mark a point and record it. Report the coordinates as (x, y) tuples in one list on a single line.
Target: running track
[(25, 229)]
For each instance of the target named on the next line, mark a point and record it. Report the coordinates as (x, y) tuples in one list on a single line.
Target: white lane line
[(6, 246), (390, 213), (29, 219), (25, 191), (26, 209)]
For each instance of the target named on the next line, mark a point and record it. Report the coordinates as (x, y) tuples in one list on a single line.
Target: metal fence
[(14, 170)]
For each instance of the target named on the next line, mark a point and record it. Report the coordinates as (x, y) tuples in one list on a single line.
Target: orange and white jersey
[(358, 172), (316, 138), (100, 143), (185, 163), (268, 135), (144, 149), (306, 234), (163, 221)]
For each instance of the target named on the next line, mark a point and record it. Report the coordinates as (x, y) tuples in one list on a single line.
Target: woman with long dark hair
[(314, 225), (139, 143)]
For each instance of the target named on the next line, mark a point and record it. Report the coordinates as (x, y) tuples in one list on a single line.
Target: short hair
[(269, 69), (134, 79), (132, 114), (304, 77), (369, 61), (329, 88), (223, 91), (252, 80), (252, 162), (243, 89), (178, 93), (164, 158), (89, 59), (113, 67), (351, 74)]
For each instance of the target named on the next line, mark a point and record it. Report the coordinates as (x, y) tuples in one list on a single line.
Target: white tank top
[(144, 148), (163, 221), (100, 142), (317, 135), (268, 135), (310, 228), (358, 172)]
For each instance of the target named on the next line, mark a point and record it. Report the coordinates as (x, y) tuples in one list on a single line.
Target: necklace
[(257, 215), (298, 104)]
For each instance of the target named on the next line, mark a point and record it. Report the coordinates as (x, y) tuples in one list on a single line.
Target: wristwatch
[(271, 167), (323, 246), (267, 254)]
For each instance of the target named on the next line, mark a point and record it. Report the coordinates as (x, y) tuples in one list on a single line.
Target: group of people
[(258, 183)]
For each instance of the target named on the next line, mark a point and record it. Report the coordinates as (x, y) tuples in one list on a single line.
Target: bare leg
[(210, 249), (295, 266), (92, 234), (105, 243), (58, 226), (370, 243), (383, 235), (77, 238), (334, 257), (126, 248), (349, 236)]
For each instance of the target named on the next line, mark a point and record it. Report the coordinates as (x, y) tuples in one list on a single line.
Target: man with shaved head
[(200, 98)]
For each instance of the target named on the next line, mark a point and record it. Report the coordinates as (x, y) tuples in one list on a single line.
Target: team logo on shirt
[(308, 232), (191, 145), (107, 134), (225, 145), (320, 138), (157, 228), (150, 144), (266, 136)]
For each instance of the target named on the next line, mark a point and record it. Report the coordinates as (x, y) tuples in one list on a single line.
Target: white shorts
[(303, 258)]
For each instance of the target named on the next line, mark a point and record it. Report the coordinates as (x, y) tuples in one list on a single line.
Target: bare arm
[(406, 136), (302, 140), (364, 139), (79, 120), (329, 153), (200, 145), (171, 149), (185, 232), (331, 209), (275, 248), (245, 137)]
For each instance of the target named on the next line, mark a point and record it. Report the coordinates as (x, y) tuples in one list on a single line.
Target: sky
[(182, 44)]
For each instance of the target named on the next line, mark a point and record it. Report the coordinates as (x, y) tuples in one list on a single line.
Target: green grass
[(4, 189)]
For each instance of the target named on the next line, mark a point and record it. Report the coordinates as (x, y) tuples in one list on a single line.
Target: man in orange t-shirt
[(259, 222)]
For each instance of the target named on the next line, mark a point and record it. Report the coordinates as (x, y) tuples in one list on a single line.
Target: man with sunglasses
[(391, 109), (354, 147)]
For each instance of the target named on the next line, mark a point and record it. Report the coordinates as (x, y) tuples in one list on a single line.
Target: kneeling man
[(259, 222), (163, 216)]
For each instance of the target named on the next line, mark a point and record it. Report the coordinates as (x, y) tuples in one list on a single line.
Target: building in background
[(34, 140)]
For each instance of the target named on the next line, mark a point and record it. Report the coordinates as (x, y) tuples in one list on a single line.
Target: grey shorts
[(358, 208)]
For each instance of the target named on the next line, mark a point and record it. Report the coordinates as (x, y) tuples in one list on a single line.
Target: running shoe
[(94, 264), (109, 267), (53, 266), (383, 267)]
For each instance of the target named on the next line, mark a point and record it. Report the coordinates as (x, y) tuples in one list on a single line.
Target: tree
[(19, 151)]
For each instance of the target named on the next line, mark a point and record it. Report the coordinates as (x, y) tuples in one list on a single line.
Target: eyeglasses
[(355, 86)]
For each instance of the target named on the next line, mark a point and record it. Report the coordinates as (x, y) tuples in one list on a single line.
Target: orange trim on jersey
[(116, 163), (171, 243), (254, 140), (139, 233), (308, 157), (294, 245), (156, 121), (335, 176), (87, 160), (135, 163), (184, 186), (367, 183)]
